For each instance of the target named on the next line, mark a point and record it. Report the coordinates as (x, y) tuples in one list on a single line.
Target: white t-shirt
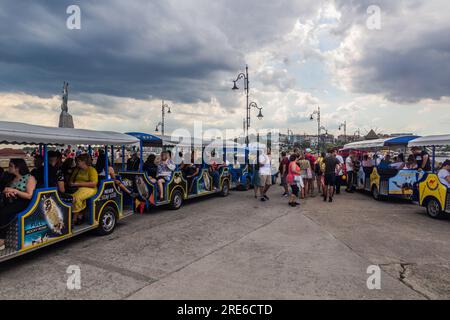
[(442, 174), (349, 164), (265, 165)]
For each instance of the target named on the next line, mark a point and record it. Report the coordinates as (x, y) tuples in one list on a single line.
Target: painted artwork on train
[(403, 183), (48, 221)]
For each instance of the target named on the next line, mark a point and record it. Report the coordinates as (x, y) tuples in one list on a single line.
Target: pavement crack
[(404, 270)]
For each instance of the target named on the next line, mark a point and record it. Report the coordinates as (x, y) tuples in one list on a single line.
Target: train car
[(431, 193), (178, 188), (385, 182), (48, 218)]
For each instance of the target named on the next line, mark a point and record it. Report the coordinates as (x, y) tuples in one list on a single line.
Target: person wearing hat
[(444, 173)]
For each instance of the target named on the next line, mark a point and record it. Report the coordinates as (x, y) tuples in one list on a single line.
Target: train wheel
[(177, 200), (107, 221), (225, 188), (434, 209)]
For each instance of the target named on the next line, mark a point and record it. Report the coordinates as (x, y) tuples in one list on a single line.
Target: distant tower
[(65, 119)]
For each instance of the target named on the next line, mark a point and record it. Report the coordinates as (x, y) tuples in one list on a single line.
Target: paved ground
[(238, 247)]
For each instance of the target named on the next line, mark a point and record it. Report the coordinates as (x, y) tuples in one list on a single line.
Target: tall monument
[(65, 119)]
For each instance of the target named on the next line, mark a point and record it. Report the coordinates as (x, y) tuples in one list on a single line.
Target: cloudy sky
[(129, 55)]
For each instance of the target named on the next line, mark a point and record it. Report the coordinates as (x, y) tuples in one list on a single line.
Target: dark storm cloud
[(402, 70), (179, 50), (136, 49)]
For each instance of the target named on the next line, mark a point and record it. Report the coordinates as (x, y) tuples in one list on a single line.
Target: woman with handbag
[(293, 178)]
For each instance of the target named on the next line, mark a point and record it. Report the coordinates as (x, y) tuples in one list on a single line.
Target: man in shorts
[(331, 165), (265, 173)]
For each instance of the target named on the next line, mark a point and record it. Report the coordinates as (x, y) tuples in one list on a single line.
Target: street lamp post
[(344, 125), (248, 105), (317, 112), (161, 124)]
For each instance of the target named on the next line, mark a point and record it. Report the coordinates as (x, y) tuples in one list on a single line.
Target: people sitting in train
[(398, 163), (190, 171), (38, 170), (214, 171), (385, 162), (411, 163), (100, 168), (134, 162), (150, 167), (67, 169), (85, 180), (55, 173), (444, 173), (17, 192), (422, 159), (164, 172)]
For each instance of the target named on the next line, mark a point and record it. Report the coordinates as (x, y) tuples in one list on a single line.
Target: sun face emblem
[(432, 184)]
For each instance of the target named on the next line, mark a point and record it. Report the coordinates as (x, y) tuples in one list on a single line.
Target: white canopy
[(366, 144), (21, 133), (429, 141)]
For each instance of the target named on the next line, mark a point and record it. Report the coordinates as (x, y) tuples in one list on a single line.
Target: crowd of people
[(302, 173), (76, 177)]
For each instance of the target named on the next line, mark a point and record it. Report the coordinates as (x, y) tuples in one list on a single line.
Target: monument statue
[(65, 119)]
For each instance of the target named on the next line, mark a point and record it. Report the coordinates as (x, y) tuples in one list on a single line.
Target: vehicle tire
[(375, 193), (225, 188), (177, 200), (107, 221), (434, 209)]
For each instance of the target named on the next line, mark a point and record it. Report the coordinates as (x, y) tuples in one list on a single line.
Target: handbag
[(299, 181)]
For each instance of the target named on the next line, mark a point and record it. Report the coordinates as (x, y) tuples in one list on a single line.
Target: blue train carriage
[(431, 193), (48, 219), (145, 191), (241, 171), (382, 182), (243, 175)]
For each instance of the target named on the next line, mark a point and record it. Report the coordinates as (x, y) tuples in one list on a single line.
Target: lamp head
[(311, 118), (235, 87), (156, 129), (168, 111), (260, 115)]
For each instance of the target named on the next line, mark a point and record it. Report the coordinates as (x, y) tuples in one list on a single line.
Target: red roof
[(9, 152)]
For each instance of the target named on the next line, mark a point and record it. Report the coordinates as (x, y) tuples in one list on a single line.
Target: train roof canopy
[(22, 133), (430, 141)]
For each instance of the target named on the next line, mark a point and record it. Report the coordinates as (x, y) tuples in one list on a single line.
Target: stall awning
[(430, 141), (399, 141), (380, 143), (365, 144), (22, 133)]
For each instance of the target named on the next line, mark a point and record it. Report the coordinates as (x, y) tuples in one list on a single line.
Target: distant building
[(371, 135)]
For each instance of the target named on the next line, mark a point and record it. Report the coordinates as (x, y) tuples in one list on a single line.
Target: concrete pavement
[(239, 247)]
